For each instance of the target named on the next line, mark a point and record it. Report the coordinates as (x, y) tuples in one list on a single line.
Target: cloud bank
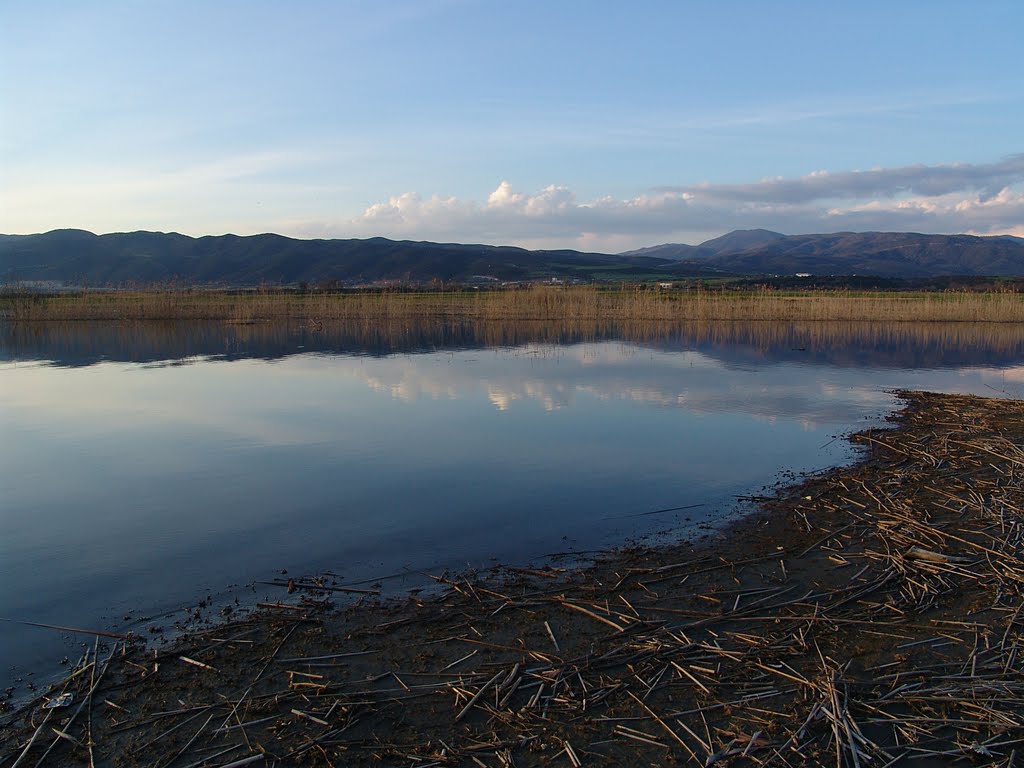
[(962, 197)]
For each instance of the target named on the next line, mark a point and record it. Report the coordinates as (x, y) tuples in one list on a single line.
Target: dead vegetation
[(521, 304), (870, 616)]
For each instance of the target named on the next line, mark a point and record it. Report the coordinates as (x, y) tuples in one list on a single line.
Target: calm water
[(145, 467)]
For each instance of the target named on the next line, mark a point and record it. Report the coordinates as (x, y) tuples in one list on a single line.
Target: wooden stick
[(59, 628)]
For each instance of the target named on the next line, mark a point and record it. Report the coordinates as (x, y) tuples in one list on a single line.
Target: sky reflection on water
[(145, 485)]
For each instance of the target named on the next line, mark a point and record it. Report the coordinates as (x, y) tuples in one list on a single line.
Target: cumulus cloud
[(962, 197)]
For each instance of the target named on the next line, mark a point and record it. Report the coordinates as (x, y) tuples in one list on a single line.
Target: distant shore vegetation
[(664, 302)]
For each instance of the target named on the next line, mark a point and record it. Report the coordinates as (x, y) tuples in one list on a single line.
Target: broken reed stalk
[(94, 632)]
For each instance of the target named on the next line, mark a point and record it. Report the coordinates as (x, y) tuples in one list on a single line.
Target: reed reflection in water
[(928, 345)]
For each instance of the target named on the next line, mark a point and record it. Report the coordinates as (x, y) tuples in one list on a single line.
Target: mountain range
[(77, 257), (883, 254)]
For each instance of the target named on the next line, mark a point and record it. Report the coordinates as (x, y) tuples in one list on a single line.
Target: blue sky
[(594, 125)]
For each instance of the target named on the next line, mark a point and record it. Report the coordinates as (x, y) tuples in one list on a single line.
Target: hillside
[(886, 254), (77, 257), (82, 258), (883, 254), (737, 240)]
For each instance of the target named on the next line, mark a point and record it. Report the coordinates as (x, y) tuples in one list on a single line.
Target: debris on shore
[(870, 615)]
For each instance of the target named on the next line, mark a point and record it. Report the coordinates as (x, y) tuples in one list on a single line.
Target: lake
[(144, 468)]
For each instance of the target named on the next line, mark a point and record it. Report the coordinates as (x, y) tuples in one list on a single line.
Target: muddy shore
[(872, 615)]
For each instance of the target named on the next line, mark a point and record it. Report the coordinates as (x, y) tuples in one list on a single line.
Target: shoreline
[(868, 613)]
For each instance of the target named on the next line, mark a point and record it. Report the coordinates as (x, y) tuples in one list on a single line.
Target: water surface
[(145, 467)]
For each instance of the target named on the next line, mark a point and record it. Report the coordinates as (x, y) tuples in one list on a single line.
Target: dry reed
[(537, 303)]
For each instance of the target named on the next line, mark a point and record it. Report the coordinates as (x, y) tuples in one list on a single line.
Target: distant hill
[(741, 240), (77, 257), (737, 240), (670, 252), (884, 254)]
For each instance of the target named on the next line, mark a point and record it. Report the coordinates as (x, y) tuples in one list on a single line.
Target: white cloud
[(1000, 213), (503, 197), (981, 199), (267, 191), (929, 181)]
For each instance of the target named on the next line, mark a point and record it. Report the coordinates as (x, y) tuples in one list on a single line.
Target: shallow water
[(143, 468)]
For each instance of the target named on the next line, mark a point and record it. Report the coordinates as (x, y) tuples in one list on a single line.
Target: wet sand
[(869, 615)]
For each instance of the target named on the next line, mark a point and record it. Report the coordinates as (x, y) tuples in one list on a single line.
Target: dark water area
[(927, 345), (144, 467)]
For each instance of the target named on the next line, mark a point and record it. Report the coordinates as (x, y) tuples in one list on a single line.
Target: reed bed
[(537, 303), (870, 616)]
